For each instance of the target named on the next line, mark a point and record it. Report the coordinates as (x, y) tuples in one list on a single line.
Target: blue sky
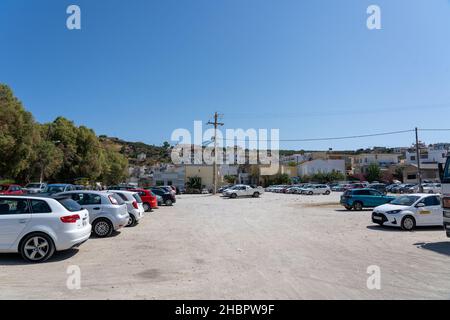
[(140, 69)]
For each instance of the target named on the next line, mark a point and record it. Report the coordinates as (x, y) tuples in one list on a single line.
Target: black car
[(168, 197)]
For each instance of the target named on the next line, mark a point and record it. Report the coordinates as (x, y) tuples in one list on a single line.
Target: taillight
[(112, 199), (446, 203), (70, 219), (135, 205)]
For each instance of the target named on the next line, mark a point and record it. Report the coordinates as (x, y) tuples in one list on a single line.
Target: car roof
[(122, 191), (85, 191), (59, 184)]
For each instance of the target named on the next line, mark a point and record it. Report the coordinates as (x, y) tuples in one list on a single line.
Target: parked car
[(134, 205), (223, 188), (242, 190), (58, 188), (355, 186), (107, 211), (36, 227), (10, 189), (149, 200), (410, 211), (338, 188), (364, 198), (317, 189), (378, 186), (168, 198), (430, 188), (34, 187)]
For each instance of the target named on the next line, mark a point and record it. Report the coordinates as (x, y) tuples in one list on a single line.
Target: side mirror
[(420, 205)]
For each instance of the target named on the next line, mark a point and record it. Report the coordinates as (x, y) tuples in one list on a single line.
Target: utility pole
[(215, 124), (419, 172)]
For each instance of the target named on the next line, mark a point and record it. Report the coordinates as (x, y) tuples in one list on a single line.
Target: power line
[(336, 138)]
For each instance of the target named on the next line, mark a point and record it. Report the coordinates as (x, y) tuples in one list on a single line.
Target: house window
[(413, 158), (411, 176)]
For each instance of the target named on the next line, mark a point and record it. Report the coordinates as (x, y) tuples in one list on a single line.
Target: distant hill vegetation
[(131, 150)]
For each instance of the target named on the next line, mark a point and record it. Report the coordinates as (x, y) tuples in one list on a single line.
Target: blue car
[(364, 198)]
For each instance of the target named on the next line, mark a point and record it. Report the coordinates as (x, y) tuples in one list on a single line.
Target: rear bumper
[(447, 226), (71, 239)]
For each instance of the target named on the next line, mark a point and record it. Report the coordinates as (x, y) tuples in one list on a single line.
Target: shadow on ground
[(15, 259), (438, 247)]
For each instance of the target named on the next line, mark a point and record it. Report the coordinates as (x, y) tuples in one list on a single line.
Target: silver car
[(107, 211), (134, 205)]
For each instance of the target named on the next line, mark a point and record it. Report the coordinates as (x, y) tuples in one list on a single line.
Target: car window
[(40, 206), (119, 199), (14, 206), (124, 198), (362, 192), (70, 204), (374, 193), (137, 197), (431, 201)]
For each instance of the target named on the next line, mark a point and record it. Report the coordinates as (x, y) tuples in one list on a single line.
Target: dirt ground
[(275, 247)]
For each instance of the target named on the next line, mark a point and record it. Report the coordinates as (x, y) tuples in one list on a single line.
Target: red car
[(149, 200), (10, 189)]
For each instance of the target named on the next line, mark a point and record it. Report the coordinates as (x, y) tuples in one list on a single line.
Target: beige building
[(362, 161)]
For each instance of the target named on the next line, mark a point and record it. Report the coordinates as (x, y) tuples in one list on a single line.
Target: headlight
[(394, 211)]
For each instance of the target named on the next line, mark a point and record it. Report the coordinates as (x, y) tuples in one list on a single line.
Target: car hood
[(389, 207)]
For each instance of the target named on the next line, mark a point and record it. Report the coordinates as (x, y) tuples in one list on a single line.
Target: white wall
[(319, 165)]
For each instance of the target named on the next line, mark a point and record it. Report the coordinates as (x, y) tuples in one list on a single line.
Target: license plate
[(377, 218)]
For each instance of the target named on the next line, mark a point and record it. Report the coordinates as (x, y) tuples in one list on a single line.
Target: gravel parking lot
[(278, 246)]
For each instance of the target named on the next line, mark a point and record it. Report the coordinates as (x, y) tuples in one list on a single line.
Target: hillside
[(154, 154)]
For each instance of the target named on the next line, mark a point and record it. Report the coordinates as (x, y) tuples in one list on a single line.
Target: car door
[(92, 203), (14, 217), (376, 198), (427, 214)]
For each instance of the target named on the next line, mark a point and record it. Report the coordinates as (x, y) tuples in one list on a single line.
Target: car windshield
[(405, 200), (3, 188), (55, 189)]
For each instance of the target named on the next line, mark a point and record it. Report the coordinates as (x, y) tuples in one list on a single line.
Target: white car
[(409, 211), (317, 189), (35, 187), (36, 227), (242, 190), (107, 211), (134, 205)]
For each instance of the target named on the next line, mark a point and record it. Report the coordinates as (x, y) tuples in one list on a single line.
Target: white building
[(141, 156), (321, 165), (295, 158), (362, 161), (169, 175), (431, 154)]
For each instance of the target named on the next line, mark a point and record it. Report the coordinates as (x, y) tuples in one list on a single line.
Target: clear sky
[(140, 69)]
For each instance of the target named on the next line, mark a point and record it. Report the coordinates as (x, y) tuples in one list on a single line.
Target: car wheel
[(168, 202), (310, 193), (102, 228), (408, 223), (358, 206), (233, 196), (131, 221), (348, 207), (146, 207), (430, 192), (327, 192), (256, 195), (37, 247)]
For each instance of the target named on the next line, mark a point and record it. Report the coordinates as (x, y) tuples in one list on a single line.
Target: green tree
[(229, 178), (373, 172), (114, 168), (17, 135)]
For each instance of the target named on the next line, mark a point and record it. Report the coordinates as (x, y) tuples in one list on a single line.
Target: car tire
[(168, 202), (255, 195), (430, 192), (358, 206), (146, 206), (36, 244), (132, 221), (233, 196), (408, 223), (310, 193), (349, 208), (327, 192), (102, 228)]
